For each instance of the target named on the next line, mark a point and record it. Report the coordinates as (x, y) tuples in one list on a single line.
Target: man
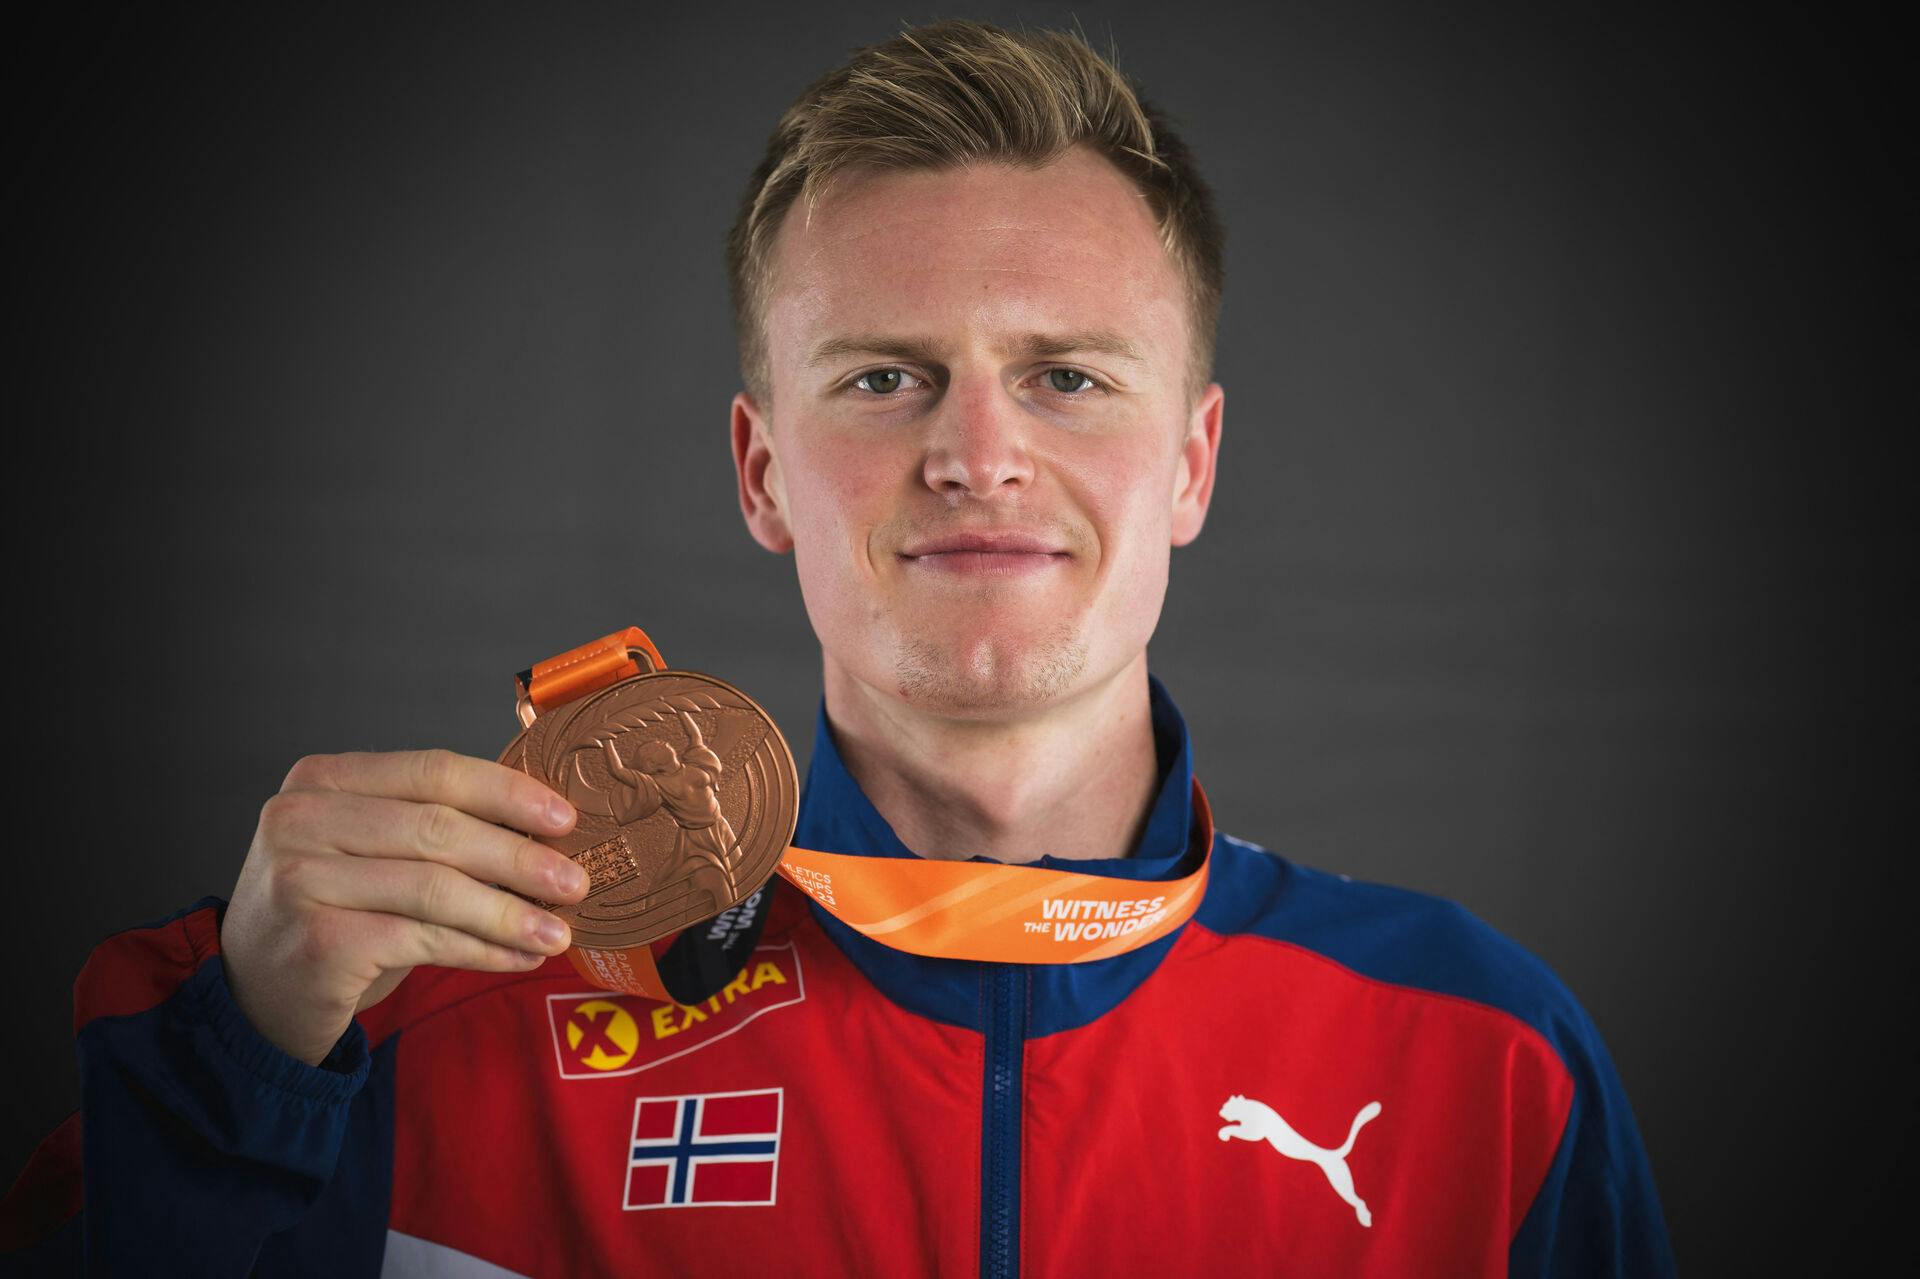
[(976, 284)]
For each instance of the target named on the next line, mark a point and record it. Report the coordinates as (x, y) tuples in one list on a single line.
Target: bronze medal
[(687, 795)]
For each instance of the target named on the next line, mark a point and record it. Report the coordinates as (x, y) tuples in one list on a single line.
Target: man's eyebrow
[(924, 351)]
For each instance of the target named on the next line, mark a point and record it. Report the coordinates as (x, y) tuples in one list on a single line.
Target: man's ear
[(763, 500), (1199, 460)]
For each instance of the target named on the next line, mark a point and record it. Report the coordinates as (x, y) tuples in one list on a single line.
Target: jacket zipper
[(1006, 1034)]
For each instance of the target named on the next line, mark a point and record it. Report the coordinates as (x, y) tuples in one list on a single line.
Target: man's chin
[(992, 676)]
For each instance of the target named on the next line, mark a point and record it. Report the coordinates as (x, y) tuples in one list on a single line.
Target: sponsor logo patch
[(711, 1150), (1256, 1121), (601, 1034)]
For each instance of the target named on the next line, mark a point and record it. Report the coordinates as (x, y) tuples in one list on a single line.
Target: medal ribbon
[(947, 909)]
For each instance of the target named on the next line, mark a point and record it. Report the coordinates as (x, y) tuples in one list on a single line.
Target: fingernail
[(573, 878), (559, 811), (551, 931)]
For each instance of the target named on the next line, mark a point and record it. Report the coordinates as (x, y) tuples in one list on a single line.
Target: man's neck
[(1076, 781)]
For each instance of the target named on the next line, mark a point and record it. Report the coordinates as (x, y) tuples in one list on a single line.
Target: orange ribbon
[(994, 912)]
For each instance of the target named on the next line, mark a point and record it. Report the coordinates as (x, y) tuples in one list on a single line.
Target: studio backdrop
[(359, 358)]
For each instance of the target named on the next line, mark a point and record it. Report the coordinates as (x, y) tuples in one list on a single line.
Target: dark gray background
[(359, 359)]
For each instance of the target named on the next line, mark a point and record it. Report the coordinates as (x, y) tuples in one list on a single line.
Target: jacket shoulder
[(1596, 1209), (1390, 934)]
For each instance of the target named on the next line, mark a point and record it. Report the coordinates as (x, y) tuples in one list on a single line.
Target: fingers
[(448, 910), (335, 821), (391, 941), (481, 787)]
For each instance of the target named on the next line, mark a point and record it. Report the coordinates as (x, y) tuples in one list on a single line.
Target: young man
[(976, 285)]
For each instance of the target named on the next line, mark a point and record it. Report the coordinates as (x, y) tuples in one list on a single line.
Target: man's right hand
[(366, 864)]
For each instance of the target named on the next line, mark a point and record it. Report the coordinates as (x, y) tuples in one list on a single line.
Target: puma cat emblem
[(1252, 1120)]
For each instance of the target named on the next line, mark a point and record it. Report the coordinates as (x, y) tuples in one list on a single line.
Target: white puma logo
[(1252, 1120)]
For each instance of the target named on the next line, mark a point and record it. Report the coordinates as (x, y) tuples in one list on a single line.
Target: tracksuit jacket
[(1312, 1076)]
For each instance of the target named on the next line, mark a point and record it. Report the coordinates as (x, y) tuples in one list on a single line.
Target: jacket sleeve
[(1597, 1214), (197, 1140)]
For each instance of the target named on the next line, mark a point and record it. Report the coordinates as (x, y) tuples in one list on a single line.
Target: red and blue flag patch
[(717, 1149)]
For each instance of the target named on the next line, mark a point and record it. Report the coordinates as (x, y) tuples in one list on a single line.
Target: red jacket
[(1312, 1076)]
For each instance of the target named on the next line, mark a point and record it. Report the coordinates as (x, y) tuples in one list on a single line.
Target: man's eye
[(884, 381), (1069, 382)]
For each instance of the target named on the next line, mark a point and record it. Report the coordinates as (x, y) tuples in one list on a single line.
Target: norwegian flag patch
[(704, 1150)]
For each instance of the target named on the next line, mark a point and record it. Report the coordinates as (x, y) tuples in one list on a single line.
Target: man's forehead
[(984, 195), (860, 246), (1078, 218), (1059, 261)]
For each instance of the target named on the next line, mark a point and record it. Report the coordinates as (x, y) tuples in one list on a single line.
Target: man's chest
[(799, 1120)]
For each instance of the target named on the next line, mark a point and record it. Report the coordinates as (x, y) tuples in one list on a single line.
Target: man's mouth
[(991, 554)]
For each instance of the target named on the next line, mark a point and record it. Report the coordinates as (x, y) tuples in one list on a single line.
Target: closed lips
[(982, 544)]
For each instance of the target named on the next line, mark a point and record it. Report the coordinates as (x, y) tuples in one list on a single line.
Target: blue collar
[(836, 816)]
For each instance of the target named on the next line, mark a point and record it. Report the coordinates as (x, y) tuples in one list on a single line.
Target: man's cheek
[(847, 480), (832, 550), (834, 452), (1113, 472), (833, 600)]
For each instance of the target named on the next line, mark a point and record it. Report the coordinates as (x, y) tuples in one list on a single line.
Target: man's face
[(981, 523)]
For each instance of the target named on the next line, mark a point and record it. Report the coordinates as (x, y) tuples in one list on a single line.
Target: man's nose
[(977, 442)]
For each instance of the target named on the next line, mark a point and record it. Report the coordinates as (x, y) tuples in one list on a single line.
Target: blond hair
[(958, 91)]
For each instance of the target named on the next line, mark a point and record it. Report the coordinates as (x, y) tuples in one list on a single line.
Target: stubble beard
[(999, 674)]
